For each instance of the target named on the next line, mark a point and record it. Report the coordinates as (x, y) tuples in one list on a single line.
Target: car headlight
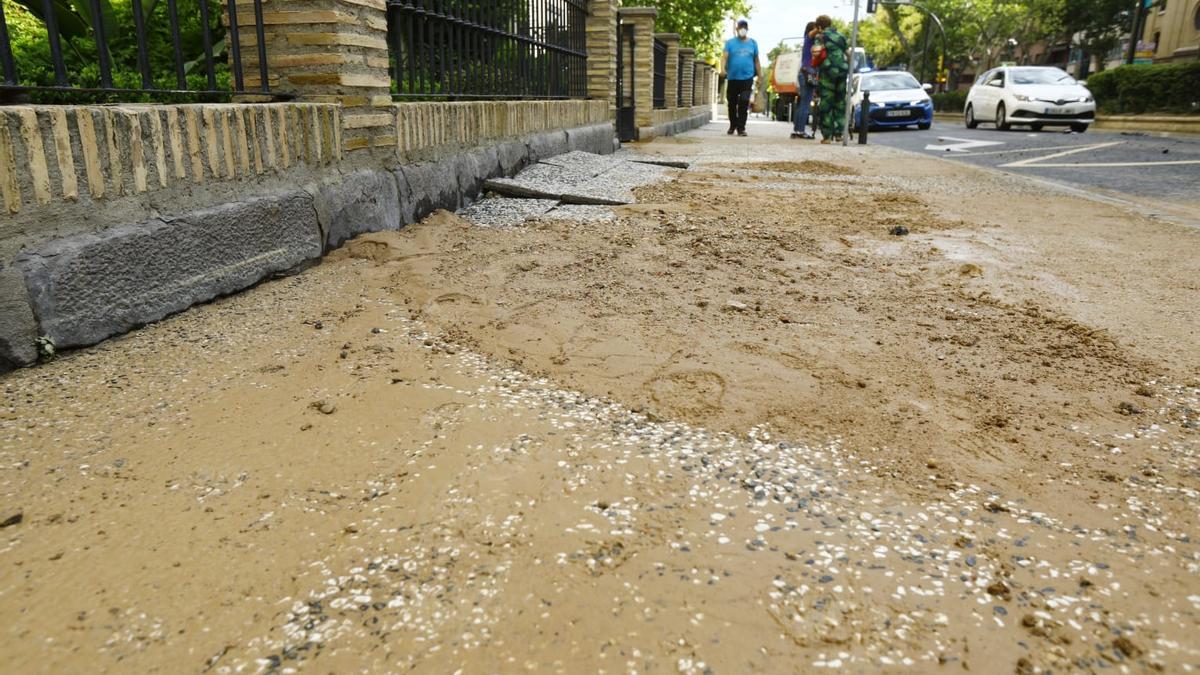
[(920, 102), (1086, 99), (1022, 97)]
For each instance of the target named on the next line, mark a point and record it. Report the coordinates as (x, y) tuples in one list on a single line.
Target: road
[(1153, 171)]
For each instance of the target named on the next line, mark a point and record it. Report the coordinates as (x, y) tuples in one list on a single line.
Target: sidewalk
[(739, 427)]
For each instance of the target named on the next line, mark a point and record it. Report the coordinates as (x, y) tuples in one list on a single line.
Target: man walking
[(740, 63), (807, 83), (830, 57)]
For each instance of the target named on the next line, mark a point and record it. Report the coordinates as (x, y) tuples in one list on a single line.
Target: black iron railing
[(55, 51), (488, 49), (679, 83), (660, 73), (626, 100)]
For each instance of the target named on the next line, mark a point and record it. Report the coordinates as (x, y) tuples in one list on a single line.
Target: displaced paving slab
[(580, 178), (502, 212), (580, 213)]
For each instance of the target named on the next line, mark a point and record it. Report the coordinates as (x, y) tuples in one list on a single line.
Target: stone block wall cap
[(687, 51), (651, 12), (667, 37)]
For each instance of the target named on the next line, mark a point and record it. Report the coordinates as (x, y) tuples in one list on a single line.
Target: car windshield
[(889, 82), (1040, 76)]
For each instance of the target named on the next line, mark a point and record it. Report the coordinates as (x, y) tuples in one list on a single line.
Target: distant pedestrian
[(740, 63), (830, 57), (807, 83)]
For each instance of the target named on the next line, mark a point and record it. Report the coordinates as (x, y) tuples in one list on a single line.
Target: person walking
[(807, 83), (829, 56), (739, 60)]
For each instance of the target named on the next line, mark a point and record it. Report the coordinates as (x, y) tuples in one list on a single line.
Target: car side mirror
[(927, 87)]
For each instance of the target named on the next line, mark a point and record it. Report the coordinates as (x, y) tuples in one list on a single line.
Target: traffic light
[(871, 6)]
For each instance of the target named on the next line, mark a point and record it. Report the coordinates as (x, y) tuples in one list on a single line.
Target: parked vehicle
[(1038, 96), (897, 100)]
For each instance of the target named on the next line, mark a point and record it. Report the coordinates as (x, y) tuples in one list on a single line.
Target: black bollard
[(864, 118)]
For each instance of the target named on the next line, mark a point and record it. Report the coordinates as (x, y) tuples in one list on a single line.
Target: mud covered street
[(737, 427)]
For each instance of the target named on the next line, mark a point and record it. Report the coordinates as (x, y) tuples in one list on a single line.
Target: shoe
[(837, 139), (796, 135), (742, 133), (808, 137), (730, 132), (825, 141)]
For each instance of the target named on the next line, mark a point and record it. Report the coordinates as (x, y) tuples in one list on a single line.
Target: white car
[(1035, 95)]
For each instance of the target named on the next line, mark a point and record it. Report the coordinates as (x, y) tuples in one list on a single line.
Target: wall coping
[(651, 12)]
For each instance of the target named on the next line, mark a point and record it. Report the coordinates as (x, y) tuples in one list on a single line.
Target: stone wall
[(114, 216), (118, 216)]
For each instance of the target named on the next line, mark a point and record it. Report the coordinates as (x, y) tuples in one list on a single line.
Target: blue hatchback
[(897, 100)]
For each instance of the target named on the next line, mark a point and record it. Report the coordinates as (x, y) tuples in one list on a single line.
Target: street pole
[(850, 76)]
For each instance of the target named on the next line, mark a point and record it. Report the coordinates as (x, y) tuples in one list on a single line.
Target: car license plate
[(1058, 111), (897, 113)]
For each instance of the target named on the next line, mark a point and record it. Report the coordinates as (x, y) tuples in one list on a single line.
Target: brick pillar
[(697, 83), (602, 52), (671, 40), (327, 51), (642, 20), (689, 75), (711, 95)]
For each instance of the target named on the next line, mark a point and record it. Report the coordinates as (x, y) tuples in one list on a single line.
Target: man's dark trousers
[(737, 93)]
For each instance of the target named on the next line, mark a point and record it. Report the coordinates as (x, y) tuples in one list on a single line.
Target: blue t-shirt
[(743, 59)]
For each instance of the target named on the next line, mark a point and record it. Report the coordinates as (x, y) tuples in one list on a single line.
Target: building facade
[(1173, 28)]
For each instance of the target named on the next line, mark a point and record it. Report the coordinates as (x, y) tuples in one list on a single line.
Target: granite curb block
[(89, 287), (18, 327), (85, 288), (674, 127), (362, 202)]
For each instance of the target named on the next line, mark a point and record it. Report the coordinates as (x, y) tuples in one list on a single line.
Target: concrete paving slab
[(503, 212), (580, 213)]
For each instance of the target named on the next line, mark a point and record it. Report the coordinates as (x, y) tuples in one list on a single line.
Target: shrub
[(31, 53), (1165, 87), (950, 101)]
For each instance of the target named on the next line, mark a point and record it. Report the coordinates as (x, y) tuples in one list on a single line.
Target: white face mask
[(742, 32)]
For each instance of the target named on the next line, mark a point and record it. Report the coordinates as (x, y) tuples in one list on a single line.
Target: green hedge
[(950, 101), (1149, 88)]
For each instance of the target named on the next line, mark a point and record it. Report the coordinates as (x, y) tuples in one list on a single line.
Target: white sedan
[(1038, 96)]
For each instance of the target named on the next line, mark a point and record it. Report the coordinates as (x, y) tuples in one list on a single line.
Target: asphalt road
[(1149, 168)]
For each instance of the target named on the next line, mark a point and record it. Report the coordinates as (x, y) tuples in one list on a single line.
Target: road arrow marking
[(962, 144), (1038, 160), (1041, 163)]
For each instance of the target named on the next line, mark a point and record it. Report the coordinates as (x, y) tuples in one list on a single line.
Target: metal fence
[(488, 49), (660, 73), (91, 54), (679, 83), (626, 98)]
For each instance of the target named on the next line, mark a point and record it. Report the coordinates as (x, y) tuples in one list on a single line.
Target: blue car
[(897, 100)]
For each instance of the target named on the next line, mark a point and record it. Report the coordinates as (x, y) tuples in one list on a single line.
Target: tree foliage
[(31, 46), (699, 23), (979, 33)]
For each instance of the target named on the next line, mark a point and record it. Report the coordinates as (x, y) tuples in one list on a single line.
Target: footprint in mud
[(456, 299), (687, 392), (447, 414)]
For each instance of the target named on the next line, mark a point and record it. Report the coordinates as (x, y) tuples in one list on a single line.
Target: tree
[(1096, 26), (698, 22), (978, 32)]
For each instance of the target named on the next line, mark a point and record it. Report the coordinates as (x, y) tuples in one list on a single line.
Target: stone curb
[(83, 289)]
